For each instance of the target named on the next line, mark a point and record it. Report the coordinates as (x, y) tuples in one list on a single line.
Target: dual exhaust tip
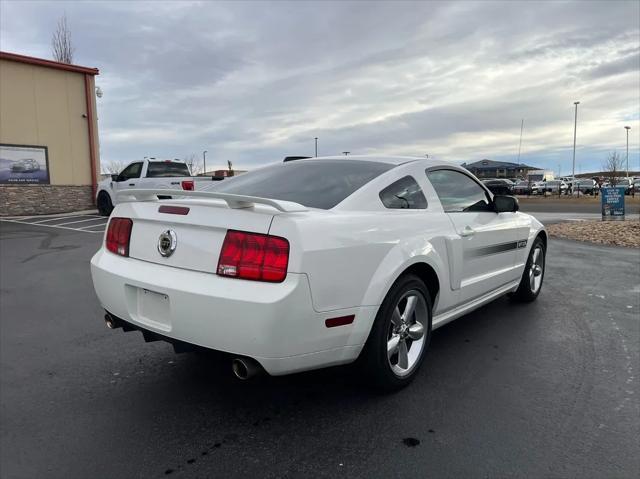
[(243, 368)]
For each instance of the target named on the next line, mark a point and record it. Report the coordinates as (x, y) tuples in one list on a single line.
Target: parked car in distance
[(585, 186), (499, 186), (626, 183), (293, 267), (26, 165), (166, 174), (522, 187), (636, 186), (551, 186), (567, 179)]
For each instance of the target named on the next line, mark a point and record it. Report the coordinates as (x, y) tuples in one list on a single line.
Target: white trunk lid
[(199, 234)]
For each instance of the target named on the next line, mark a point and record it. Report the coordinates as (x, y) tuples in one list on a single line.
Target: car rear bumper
[(273, 323)]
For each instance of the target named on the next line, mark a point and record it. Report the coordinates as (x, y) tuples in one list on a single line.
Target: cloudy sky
[(255, 81)]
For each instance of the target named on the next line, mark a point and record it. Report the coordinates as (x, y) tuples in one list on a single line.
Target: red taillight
[(187, 185), (118, 236), (254, 256)]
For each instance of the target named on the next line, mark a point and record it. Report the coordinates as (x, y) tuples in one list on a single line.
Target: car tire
[(399, 339), (105, 207), (533, 274)]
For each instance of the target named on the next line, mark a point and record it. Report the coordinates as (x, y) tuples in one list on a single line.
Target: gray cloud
[(255, 81)]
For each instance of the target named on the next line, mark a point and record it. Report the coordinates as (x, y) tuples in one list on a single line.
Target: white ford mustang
[(317, 262)]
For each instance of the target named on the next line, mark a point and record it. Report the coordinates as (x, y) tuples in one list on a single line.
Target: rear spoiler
[(233, 201)]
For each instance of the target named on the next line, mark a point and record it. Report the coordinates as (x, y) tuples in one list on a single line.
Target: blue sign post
[(612, 203)]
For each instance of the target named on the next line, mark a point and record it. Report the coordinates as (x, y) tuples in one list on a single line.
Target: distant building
[(49, 153), (498, 169)]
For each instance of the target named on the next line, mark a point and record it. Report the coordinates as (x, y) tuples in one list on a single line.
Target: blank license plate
[(154, 309)]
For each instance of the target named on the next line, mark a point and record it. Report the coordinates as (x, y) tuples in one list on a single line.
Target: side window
[(404, 193), (131, 171), (458, 192)]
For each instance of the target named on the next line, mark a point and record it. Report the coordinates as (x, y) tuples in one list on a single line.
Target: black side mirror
[(114, 177), (505, 204)]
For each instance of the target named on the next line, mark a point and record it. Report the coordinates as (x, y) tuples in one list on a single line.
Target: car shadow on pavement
[(208, 375), (194, 402)]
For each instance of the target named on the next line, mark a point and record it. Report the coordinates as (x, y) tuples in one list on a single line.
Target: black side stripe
[(495, 249)]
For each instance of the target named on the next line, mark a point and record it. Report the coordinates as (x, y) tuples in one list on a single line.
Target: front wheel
[(400, 335), (531, 282)]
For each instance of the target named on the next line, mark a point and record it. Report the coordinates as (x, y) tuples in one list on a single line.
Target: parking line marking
[(82, 221), (41, 221), (57, 218), (83, 228), (92, 231), (49, 226)]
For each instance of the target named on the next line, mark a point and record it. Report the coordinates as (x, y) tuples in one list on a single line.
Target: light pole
[(204, 162), (316, 138), (520, 144), (575, 127), (627, 128)]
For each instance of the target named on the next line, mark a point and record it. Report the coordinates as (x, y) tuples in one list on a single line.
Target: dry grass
[(617, 233)]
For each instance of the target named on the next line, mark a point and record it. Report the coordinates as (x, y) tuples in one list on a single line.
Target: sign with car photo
[(24, 165)]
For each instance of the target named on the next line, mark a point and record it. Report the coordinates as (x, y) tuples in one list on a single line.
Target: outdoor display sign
[(612, 203), (24, 165)]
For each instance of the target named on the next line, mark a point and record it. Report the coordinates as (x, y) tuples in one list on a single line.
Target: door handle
[(467, 232), (132, 184)]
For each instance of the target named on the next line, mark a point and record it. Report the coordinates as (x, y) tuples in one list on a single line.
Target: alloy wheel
[(536, 269), (406, 336)]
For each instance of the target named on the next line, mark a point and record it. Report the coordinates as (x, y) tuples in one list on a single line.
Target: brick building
[(49, 155)]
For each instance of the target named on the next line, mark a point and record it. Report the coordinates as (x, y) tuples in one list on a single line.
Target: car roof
[(392, 160)]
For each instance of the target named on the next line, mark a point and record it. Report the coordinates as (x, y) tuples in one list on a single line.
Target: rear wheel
[(105, 207), (400, 335), (531, 282)]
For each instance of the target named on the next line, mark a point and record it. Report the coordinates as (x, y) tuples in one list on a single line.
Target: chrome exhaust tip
[(245, 368), (110, 322)]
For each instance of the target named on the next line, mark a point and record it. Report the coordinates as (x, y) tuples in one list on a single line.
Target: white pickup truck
[(169, 174)]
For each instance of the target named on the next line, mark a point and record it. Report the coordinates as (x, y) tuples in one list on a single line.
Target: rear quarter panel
[(353, 258)]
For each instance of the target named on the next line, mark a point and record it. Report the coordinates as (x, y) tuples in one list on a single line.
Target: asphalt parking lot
[(548, 389)]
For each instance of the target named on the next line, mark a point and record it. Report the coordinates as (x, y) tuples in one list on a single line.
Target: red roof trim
[(14, 57)]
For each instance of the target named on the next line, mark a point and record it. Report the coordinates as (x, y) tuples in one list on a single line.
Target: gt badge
[(167, 243)]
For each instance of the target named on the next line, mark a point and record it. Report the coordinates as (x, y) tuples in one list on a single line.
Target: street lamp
[(575, 127), (204, 161), (627, 128), (316, 138)]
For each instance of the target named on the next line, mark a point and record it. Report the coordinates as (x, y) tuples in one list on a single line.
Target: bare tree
[(613, 165), (113, 167), (61, 46), (230, 167), (193, 162)]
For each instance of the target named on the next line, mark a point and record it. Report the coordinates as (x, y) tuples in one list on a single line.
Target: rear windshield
[(169, 169), (312, 183)]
